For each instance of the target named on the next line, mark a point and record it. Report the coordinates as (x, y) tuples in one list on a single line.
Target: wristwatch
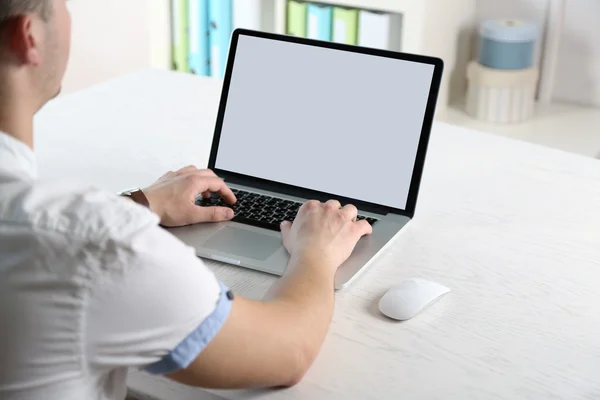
[(138, 196)]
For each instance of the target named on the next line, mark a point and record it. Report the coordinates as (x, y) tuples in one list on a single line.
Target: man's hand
[(173, 197), (324, 234)]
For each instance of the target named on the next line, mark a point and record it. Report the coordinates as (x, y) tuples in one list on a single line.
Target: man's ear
[(23, 34)]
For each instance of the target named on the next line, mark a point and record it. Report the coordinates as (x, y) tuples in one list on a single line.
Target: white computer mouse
[(410, 297)]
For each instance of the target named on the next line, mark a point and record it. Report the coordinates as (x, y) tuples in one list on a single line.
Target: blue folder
[(199, 43), (220, 14), (319, 22)]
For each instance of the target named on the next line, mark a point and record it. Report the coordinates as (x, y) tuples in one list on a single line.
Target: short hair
[(13, 8)]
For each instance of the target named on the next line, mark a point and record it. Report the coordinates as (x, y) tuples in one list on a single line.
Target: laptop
[(302, 119)]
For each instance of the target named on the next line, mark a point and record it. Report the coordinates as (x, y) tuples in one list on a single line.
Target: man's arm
[(274, 343), (268, 343)]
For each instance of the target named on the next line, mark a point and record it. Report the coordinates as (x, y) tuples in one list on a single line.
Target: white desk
[(512, 228)]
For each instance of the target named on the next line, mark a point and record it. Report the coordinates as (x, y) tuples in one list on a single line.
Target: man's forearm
[(269, 343), (307, 291)]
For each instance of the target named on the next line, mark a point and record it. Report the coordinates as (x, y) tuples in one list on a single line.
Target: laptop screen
[(324, 119)]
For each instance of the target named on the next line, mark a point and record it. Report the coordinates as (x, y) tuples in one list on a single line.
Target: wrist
[(137, 196), (155, 205), (305, 278), (313, 260)]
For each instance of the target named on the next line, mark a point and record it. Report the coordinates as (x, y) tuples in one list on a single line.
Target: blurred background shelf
[(140, 31), (391, 6), (115, 37), (439, 28)]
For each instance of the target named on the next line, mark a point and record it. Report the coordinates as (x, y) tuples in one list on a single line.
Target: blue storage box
[(507, 44)]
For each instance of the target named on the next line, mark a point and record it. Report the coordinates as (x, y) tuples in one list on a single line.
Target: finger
[(286, 226), (334, 204), (213, 214), (350, 212), (206, 195), (311, 204), (363, 228), (213, 185), (186, 170)]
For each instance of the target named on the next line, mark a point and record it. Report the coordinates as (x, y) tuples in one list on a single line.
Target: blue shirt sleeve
[(187, 351)]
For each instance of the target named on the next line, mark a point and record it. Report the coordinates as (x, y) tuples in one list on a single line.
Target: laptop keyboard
[(261, 210)]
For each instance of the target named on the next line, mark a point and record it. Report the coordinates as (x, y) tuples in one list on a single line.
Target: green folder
[(180, 35), (345, 25), (296, 18)]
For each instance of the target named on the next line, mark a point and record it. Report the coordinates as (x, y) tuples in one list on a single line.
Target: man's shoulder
[(87, 213)]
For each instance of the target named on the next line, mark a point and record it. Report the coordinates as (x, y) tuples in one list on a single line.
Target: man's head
[(34, 48)]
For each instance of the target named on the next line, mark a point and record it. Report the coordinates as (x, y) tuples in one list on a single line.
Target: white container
[(501, 96)]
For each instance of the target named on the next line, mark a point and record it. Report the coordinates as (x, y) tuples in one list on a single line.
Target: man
[(90, 284)]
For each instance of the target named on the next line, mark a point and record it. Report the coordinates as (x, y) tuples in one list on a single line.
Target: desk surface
[(512, 228)]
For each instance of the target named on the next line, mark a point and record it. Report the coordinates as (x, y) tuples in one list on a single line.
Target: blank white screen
[(328, 120)]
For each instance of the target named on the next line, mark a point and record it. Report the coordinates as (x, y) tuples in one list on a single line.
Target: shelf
[(567, 127), (398, 8), (390, 6), (431, 27)]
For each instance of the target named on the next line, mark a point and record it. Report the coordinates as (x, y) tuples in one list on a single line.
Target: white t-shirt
[(90, 285)]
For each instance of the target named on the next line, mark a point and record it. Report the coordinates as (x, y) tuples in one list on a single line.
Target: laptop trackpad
[(243, 243)]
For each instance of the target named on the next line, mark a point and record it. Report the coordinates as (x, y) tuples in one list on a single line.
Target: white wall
[(447, 32), (115, 37), (578, 72)]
